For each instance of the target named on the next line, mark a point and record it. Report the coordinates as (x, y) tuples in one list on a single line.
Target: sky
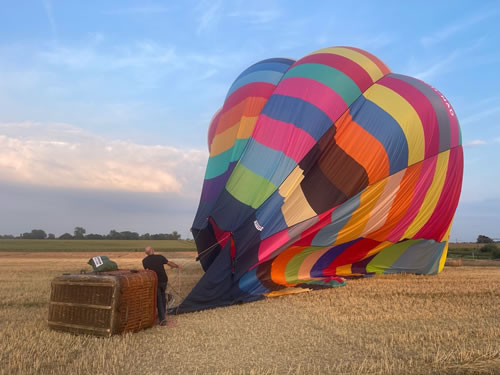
[(105, 105)]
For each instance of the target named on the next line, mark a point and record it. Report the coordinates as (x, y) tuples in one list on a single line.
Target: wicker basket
[(103, 303)]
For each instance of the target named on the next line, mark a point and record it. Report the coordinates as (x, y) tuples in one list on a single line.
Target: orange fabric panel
[(401, 203), (279, 264), (250, 107), (371, 155)]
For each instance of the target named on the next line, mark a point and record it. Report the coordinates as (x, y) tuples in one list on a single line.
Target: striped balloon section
[(329, 166), (231, 128)]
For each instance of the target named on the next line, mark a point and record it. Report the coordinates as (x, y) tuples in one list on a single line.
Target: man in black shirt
[(156, 263)]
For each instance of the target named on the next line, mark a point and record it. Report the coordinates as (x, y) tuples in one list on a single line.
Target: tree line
[(80, 233)]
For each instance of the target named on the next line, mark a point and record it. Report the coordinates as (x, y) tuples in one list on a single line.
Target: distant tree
[(175, 235), (7, 237), (484, 239), (79, 233), (93, 236), (158, 236), (488, 248), (495, 254), (66, 236), (127, 235), (145, 236), (113, 235), (36, 234), (51, 236)]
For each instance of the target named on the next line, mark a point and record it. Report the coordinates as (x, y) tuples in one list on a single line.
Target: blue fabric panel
[(247, 241), (328, 257), (433, 266), (268, 76), (251, 284), (269, 215), (418, 258), (238, 212), (278, 65), (271, 164), (302, 114), (385, 129), (214, 287), (200, 221), (328, 234)]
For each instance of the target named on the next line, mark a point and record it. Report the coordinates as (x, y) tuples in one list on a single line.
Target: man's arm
[(173, 265)]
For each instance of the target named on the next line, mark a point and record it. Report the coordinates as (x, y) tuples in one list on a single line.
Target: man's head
[(149, 250)]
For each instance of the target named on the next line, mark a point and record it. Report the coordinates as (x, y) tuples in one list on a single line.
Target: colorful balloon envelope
[(320, 169)]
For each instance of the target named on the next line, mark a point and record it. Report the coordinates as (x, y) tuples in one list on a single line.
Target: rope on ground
[(200, 255), (177, 291)]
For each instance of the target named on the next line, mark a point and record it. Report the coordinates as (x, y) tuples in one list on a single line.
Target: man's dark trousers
[(161, 300)]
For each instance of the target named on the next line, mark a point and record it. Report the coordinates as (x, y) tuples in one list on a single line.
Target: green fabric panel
[(388, 256), (238, 148), (292, 268), (248, 187), (218, 164), (331, 283), (330, 77)]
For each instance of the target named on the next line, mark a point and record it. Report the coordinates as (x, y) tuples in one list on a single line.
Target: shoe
[(163, 322)]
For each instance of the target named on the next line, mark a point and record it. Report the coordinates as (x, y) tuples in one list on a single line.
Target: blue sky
[(104, 105)]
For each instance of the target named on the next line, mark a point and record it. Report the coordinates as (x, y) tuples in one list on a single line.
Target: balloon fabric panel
[(327, 166)]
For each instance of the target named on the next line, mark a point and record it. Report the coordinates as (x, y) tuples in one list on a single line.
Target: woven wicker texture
[(105, 303)]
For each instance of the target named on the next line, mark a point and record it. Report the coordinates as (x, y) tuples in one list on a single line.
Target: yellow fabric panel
[(371, 68), (432, 196), (296, 208), (247, 124), (407, 118), (360, 217), (291, 183), (286, 291), (345, 270), (384, 203), (446, 238), (224, 141)]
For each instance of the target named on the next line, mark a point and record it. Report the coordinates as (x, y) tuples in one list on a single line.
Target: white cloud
[(142, 10), (434, 69), (209, 15), (371, 42), (47, 4), (255, 17), (479, 116), (475, 142), (143, 54), (452, 29), (61, 155), (441, 64)]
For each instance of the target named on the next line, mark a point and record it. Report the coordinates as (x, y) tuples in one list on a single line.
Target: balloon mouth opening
[(210, 241)]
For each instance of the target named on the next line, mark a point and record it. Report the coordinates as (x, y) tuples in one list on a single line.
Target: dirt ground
[(391, 324)]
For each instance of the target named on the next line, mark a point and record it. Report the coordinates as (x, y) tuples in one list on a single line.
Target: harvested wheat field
[(394, 324)]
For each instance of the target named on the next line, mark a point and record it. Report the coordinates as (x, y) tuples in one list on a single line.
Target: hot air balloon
[(321, 169)]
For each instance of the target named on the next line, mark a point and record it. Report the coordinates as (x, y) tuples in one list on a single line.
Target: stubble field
[(394, 324)]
